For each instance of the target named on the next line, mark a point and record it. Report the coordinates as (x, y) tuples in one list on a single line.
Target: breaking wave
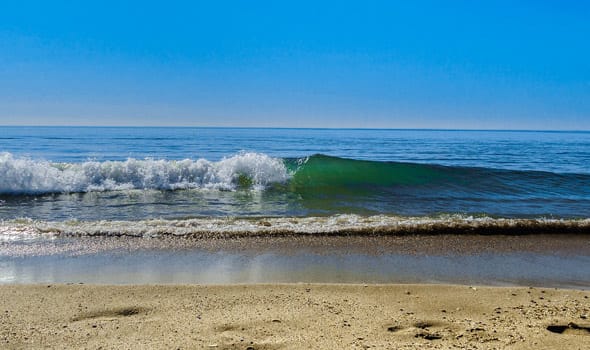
[(328, 185), (26, 176)]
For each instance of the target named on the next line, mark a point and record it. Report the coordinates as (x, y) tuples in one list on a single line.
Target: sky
[(351, 64)]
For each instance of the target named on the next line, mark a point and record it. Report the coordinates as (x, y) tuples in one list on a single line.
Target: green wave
[(319, 173), (326, 171)]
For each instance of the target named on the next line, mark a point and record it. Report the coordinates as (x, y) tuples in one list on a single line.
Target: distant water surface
[(96, 173), (553, 151)]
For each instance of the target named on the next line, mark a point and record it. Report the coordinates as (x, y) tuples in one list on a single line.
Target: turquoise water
[(91, 173)]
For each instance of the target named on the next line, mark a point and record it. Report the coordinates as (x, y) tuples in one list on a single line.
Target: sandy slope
[(292, 317)]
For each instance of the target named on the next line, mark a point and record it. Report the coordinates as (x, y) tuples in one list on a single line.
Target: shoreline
[(346, 225), (543, 260), (292, 316)]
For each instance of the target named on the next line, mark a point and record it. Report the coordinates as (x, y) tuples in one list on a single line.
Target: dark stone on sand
[(393, 328), (428, 336)]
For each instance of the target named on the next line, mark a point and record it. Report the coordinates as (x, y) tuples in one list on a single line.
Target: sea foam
[(341, 225), (28, 176)]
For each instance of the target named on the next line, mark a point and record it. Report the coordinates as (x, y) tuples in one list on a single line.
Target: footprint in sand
[(110, 313), (570, 329), (252, 336), (429, 330)]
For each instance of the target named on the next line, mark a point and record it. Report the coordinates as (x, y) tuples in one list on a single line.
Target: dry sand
[(293, 316)]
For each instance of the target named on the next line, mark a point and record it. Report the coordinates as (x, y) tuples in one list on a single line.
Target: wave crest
[(27, 176)]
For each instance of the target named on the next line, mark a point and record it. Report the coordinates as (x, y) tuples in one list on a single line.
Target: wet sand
[(544, 260), (292, 316), (435, 244)]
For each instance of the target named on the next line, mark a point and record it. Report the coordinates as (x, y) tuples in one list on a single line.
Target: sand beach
[(292, 316), (473, 292)]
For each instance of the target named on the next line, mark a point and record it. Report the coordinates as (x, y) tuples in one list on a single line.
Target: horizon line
[(296, 128)]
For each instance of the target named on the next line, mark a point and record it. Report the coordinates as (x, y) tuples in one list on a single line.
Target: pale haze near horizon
[(463, 65)]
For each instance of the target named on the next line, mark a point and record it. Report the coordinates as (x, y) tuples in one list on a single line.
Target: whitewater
[(28, 176)]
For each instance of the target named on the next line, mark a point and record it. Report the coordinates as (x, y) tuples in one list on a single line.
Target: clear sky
[(394, 64)]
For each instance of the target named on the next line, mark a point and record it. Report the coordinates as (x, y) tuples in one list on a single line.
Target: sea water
[(64, 191), (97, 173)]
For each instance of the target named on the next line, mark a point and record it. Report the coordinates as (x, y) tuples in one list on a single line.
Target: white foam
[(337, 224), (28, 176)]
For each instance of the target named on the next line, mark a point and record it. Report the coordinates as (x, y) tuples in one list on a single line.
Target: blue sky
[(382, 64)]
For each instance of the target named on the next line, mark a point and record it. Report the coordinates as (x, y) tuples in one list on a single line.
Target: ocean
[(249, 205), (98, 173)]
